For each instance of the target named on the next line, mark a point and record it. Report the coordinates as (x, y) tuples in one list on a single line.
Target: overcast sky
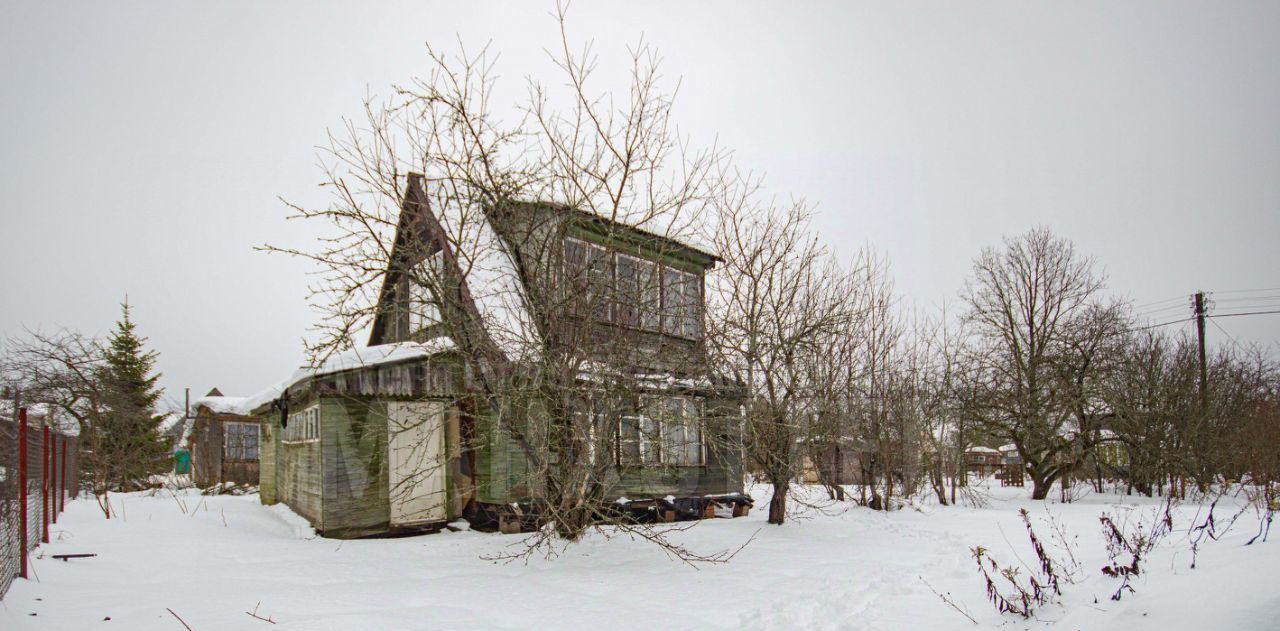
[(145, 144)]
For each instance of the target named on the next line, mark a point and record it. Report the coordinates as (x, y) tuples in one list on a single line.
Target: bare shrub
[(1134, 539)]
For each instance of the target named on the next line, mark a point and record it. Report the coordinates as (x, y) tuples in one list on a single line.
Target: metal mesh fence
[(39, 471)]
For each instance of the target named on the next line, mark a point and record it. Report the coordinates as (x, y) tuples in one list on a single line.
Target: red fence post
[(62, 495), (22, 491), (44, 485), (53, 479)]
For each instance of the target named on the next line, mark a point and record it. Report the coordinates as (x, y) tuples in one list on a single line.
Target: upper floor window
[(638, 300), (681, 303), (590, 268), (631, 291), (240, 441)]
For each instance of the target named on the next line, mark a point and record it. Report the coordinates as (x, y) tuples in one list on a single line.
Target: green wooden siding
[(354, 435), (299, 470)]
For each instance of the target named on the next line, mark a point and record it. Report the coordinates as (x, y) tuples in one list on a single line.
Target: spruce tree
[(132, 448)]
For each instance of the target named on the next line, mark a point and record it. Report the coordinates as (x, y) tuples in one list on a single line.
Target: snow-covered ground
[(211, 559)]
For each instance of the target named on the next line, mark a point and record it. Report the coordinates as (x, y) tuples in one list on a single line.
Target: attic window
[(424, 309)]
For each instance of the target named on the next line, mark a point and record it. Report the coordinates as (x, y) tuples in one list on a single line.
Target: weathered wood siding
[(268, 446), (299, 472), (502, 467), (206, 451), (354, 435), (208, 463)]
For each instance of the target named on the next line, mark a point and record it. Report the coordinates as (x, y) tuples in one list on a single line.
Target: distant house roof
[(983, 450), (219, 404)]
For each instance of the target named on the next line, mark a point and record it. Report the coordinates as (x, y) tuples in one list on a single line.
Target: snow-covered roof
[(491, 278), (1008, 448), (347, 360), (170, 421), (219, 405), (984, 450)]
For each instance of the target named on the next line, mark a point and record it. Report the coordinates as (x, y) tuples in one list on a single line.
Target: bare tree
[(68, 372), (1035, 323), (781, 309)]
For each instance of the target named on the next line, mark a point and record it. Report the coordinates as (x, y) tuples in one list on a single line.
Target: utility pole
[(1198, 297)]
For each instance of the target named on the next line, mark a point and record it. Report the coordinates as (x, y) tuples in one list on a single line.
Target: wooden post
[(1198, 301), (44, 484)]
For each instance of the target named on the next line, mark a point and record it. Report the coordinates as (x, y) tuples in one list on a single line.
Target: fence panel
[(48, 463), (9, 524)]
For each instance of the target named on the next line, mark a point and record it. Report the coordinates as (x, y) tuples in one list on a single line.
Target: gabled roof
[(492, 289)]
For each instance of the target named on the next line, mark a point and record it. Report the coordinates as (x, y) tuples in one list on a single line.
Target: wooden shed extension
[(366, 449)]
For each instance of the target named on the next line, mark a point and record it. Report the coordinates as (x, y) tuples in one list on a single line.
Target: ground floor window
[(302, 426), (662, 430), (240, 441)]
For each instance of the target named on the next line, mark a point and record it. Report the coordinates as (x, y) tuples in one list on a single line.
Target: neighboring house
[(224, 441), (395, 437), (833, 462), (1009, 454), (983, 461)]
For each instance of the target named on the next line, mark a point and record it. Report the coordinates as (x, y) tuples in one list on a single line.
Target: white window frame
[(657, 429), (240, 427), (601, 306), (685, 318), (644, 298), (303, 426)]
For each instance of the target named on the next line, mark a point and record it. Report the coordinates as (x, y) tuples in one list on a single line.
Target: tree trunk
[(937, 482), (1040, 487), (778, 503)]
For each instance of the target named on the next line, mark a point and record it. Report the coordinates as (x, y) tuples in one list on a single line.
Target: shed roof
[(352, 359)]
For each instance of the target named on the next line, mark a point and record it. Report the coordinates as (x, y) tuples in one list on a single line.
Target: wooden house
[(395, 436), (983, 461), (225, 442)]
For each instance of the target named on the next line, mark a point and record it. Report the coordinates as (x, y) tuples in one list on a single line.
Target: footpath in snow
[(212, 559)]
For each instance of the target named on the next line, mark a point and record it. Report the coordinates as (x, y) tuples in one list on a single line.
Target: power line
[(1248, 298), (1154, 326), (1230, 337), (1246, 291), (1178, 299), (1232, 315), (1254, 306), (1151, 312)]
